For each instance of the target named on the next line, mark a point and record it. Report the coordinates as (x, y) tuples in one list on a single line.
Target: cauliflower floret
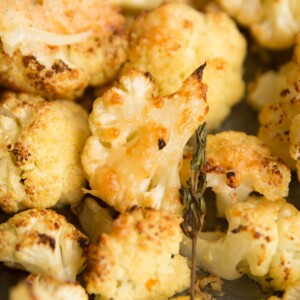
[(94, 219), (138, 137), (238, 164), (40, 147), (262, 240), (139, 259), (273, 23), (170, 51), (35, 287), (43, 242), (279, 125), (270, 86), (57, 49)]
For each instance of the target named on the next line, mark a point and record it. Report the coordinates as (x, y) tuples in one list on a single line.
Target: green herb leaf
[(192, 195)]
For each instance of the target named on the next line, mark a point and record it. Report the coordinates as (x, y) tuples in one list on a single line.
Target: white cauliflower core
[(238, 164), (139, 259), (35, 287), (274, 24), (133, 155), (40, 147), (93, 218), (171, 50), (43, 242), (262, 240), (57, 49)]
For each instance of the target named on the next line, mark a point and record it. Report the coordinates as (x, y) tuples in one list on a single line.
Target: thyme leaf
[(194, 204)]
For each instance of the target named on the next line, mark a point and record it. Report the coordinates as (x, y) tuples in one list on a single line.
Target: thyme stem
[(194, 205)]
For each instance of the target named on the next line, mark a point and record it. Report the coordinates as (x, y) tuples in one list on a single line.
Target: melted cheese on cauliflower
[(133, 155)]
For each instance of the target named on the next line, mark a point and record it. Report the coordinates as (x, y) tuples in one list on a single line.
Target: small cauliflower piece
[(35, 287), (271, 86), (274, 24), (170, 51), (262, 240), (93, 218), (57, 50), (139, 259), (43, 242), (238, 164), (40, 147), (138, 137)]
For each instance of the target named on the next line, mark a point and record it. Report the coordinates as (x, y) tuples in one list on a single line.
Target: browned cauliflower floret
[(262, 240), (238, 164), (57, 49), (93, 218), (279, 125), (35, 287), (43, 242), (139, 259), (273, 23), (173, 39), (40, 147), (133, 155)]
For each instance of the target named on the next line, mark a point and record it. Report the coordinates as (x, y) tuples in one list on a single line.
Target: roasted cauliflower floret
[(35, 287), (262, 240), (238, 164), (133, 155), (279, 125), (57, 50), (272, 85), (170, 50), (93, 218), (40, 147), (274, 24), (43, 242), (139, 259)]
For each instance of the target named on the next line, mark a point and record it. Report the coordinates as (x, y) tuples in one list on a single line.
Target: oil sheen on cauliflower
[(36, 287), (138, 137), (43, 242), (56, 49), (262, 240), (40, 147), (93, 218), (238, 164), (170, 50), (274, 24), (139, 259)]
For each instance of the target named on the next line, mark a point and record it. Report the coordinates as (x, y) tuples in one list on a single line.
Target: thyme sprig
[(194, 204)]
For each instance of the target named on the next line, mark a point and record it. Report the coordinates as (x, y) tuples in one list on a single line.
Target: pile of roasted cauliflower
[(99, 101)]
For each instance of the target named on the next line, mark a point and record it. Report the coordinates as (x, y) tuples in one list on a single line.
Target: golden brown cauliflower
[(279, 125), (35, 287), (262, 240), (40, 147), (133, 155), (93, 218), (174, 39), (274, 24), (57, 49), (43, 242), (139, 259), (238, 164)]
